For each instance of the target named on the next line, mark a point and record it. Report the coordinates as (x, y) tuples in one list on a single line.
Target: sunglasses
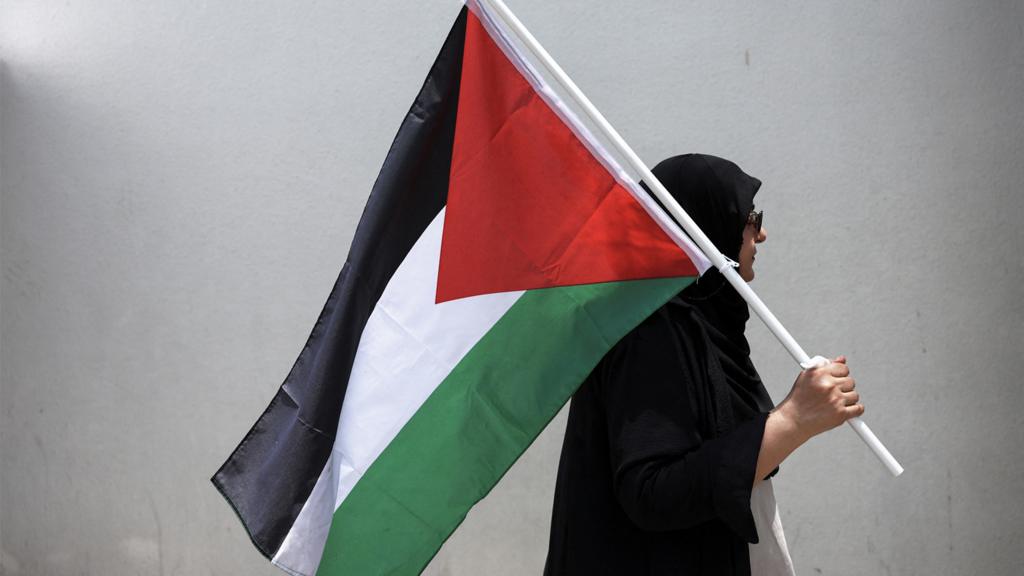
[(754, 219)]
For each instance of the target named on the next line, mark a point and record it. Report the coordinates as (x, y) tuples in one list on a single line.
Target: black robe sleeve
[(665, 475)]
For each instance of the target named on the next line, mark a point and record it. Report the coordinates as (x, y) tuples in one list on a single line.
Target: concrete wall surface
[(181, 181)]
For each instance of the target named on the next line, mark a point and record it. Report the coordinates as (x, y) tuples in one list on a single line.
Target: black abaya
[(662, 440)]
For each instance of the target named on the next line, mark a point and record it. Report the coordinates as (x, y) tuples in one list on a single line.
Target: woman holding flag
[(672, 439)]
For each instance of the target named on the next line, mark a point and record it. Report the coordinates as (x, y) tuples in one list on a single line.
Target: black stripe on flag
[(272, 472)]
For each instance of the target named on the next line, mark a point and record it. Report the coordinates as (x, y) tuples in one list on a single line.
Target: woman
[(672, 438)]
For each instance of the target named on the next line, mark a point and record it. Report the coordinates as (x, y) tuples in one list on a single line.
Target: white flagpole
[(718, 260)]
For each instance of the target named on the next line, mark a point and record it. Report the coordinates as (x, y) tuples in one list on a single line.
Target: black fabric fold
[(734, 475)]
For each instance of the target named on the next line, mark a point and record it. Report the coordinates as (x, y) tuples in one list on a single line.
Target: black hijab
[(718, 196)]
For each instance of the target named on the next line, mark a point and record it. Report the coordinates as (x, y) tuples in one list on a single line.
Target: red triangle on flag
[(528, 205)]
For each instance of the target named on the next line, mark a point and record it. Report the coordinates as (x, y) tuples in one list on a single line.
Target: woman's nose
[(762, 235)]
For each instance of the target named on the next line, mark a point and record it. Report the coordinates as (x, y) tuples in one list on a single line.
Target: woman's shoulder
[(676, 319), (671, 334)]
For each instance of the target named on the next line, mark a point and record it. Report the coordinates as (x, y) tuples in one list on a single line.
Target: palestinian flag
[(501, 254)]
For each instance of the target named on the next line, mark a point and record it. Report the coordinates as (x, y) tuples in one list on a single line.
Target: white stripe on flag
[(409, 345)]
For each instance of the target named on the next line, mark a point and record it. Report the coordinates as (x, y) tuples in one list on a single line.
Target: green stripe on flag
[(479, 420)]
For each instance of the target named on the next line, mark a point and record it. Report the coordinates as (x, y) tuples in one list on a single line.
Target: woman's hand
[(821, 399)]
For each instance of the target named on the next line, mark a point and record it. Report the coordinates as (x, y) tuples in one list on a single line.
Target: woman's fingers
[(823, 397), (851, 398), (838, 369)]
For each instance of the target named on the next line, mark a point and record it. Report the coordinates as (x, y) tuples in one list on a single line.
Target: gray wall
[(180, 182)]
